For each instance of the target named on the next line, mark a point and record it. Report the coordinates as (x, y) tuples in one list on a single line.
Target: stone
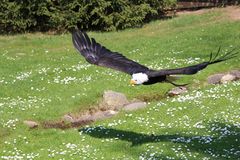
[(103, 114), (114, 99), (110, 113), (134, 106), (228, 78), (96, 116), (83, 117), (177, 91), (31, 124), (68, 118), (236, 73), (215, 79)]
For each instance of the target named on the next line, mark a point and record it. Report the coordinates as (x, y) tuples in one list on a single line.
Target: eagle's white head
[(139, 78)]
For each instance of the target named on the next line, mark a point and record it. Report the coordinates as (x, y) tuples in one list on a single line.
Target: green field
[(42, 78)]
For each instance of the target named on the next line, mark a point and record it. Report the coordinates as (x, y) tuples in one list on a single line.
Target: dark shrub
[(62, 15)]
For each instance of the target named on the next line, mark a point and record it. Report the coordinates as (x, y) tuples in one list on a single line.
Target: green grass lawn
[(42, 77)]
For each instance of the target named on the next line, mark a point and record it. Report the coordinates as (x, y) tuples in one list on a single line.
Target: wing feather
[(99, 55), (195, 68)]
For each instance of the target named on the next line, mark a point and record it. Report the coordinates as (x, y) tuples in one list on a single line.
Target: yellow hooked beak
[(132, 82)]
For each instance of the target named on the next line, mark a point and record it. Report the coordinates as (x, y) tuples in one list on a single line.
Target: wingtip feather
[(229, 55)]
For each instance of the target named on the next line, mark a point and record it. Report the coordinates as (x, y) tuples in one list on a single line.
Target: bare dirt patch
[(110, 105), (79, 119), (232, 12), (194, 12), (64, 125)]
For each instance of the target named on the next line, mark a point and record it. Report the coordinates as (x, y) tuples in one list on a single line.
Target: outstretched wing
[(97, 54), (195, 68)]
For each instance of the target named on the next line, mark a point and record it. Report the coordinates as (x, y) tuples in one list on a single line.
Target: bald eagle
[(97, 54)]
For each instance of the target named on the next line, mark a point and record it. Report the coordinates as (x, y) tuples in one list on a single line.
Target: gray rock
[(134, 106), (86, 117), (68, 118), (31, 124), (103, 114), (215, 79), (96, 116), (114, 99), (228, 78), (110, 113), (177, 91), (236, 73)]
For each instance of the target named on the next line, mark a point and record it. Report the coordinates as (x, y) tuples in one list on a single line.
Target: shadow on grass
[(133, 137), (224, 143)]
